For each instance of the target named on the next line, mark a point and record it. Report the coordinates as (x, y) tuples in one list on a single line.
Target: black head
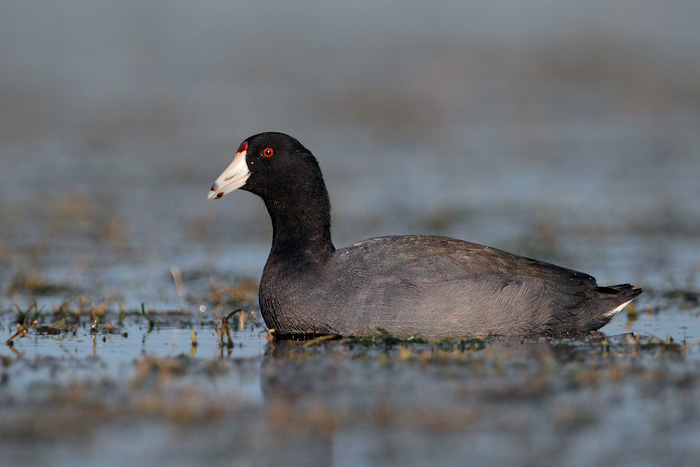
[(274, 166), (287, 177)]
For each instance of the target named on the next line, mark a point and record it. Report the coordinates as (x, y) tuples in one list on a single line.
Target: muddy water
[(569, 136)]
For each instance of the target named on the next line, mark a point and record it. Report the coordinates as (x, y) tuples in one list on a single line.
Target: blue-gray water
[(561, 130)]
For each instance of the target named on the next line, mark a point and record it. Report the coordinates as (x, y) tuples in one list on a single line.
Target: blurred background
[(564, 130)]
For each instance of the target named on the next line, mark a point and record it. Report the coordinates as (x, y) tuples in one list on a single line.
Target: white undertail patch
[(616, 310)]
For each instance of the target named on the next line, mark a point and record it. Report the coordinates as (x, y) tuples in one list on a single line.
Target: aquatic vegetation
[(32, 313), (150, 320), (223, 330), (461, 344), (33, 284), (383, 338), (667, 345), (96, 313), (316, 340), (21, 332), (241, 294), (632, 314)]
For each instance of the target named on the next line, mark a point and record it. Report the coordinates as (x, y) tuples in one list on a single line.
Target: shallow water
[(569, 136), (336, 402), (84, 357)]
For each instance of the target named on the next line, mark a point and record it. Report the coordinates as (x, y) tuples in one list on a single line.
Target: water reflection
[(332, 401)]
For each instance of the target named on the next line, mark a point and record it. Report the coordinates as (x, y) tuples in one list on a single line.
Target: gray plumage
[(435, 287)]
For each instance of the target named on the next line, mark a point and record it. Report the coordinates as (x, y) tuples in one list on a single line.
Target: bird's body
[(435, 287), (426, 285)]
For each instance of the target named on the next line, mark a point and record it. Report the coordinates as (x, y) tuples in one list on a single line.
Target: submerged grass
[(383, 338)]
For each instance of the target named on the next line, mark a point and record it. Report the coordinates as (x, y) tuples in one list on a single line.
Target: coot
[(427, 285)]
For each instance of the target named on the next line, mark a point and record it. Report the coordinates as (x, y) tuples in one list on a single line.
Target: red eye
[(268, 152), (243, 147)]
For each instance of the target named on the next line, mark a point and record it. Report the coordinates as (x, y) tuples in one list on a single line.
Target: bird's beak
[(232, 178)]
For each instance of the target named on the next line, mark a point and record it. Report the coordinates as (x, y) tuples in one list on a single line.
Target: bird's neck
[(301, 233)]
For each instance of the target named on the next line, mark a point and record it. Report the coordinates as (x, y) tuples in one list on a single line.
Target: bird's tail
[(618, 296)]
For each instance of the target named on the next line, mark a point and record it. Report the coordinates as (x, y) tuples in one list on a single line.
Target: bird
[(408, 285)]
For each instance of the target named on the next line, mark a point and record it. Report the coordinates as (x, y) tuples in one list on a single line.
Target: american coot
[(427, 285)]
